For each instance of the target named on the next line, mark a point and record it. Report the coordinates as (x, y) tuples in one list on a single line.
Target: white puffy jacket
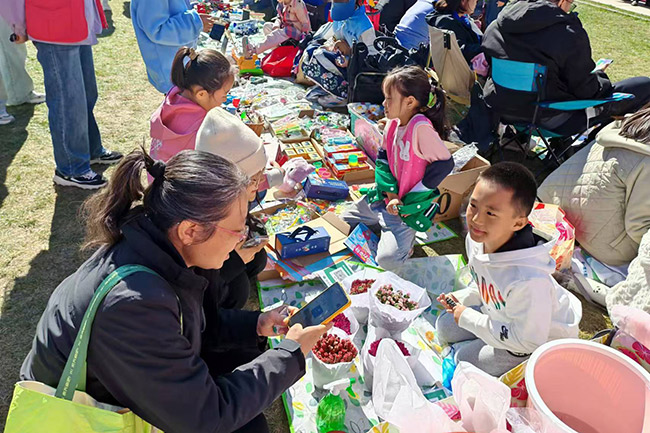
[(605, 191)]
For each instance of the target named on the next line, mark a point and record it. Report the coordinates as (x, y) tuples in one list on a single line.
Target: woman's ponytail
[(195, 186), (105, 211), (435, 111)]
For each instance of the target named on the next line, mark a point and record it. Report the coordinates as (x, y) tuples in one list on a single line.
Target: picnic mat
[(436, 274)]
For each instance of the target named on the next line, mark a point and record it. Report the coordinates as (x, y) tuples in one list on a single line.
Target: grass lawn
[(40, 233)]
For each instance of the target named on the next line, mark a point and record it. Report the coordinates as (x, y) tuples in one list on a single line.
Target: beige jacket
[(605, 191)]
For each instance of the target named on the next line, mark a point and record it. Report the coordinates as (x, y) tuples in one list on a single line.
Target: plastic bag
[(360, 303), (388, 317), (552, 220), (633, 335), (528, 420), (369, 361), (398, 400), (279, 62), (483, 400), (326, 373), (464, 155)]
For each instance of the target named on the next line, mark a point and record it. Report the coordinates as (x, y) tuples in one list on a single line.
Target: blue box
[(303, 241), (326, 189)]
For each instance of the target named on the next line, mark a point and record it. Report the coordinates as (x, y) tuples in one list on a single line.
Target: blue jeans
[(71, 90), (396, 240)]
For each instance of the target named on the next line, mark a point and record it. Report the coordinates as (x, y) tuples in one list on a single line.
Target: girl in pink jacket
[(410, 165), (201, 79)]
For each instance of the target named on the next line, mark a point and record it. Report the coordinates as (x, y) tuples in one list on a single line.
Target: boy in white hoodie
[(515, 305)]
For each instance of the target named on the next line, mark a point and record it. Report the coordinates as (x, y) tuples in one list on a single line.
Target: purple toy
[(296, 170)]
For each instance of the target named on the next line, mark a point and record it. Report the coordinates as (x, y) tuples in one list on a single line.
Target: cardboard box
[(343, 158), (457, 186), (302, 136), (326, 189), (341, 170), (352, 177), (303, 241), (331, 149)]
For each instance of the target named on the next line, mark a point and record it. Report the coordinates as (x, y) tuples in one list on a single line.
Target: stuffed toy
[(295, 171)]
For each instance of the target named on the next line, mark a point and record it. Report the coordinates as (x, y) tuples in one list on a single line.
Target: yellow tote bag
[(37, 408)]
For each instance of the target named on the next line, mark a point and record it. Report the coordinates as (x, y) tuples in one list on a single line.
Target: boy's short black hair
[(518, 179)]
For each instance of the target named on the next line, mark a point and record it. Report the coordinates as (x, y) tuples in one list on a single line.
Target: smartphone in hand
[(323, 308), (255, 241), (602, 64)]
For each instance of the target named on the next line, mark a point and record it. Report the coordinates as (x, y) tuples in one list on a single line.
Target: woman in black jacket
[(547, 32), (145, 344), (455, 15)]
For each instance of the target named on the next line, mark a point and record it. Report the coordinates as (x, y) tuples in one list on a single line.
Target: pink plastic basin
[(585, 387)]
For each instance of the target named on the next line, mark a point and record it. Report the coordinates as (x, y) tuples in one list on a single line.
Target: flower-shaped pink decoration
[(642, 351)]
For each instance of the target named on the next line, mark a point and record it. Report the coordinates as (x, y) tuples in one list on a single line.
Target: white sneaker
[(6, 118), (36, 98), (33, 98)]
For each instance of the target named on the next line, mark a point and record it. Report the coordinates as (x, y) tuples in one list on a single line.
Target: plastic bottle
[(330, 417)]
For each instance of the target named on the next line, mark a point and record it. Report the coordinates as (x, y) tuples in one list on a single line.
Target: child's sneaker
[(247, 47), (90, 180), (108, 158), (6, 118)]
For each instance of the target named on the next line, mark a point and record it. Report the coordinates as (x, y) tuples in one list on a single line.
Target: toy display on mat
[(385, 344), (302, 149), (292, 215)]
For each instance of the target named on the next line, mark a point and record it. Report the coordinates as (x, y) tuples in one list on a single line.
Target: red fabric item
[(63, 21), (278, 63), (373, 15)]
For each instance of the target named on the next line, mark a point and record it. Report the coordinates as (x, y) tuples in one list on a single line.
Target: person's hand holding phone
[(603, 64), (274, 322), (307, 337), (248, 254)]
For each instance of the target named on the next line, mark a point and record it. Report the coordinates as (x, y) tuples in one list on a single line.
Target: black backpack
[(366, 72)]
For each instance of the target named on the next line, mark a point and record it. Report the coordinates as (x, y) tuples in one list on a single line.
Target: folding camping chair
[(531, 78)]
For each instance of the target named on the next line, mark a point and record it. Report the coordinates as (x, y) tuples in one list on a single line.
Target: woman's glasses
[(241, 234)]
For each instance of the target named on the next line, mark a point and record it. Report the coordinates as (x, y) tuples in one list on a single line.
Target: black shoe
[(90, 180), (110, 157)]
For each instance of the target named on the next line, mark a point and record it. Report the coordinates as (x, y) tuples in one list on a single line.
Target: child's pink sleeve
[(428, 145), (302, 15)]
